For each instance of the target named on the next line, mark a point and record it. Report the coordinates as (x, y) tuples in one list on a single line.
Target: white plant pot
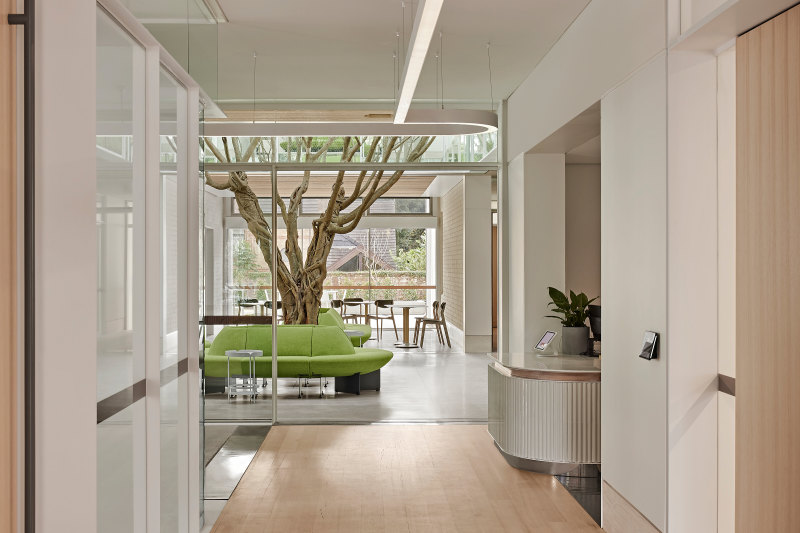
[(574, 340)]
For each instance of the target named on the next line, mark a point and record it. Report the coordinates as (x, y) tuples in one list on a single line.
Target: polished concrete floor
[(433, 384)]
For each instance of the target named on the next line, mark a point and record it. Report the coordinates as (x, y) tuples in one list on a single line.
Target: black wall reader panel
[(649, 346)]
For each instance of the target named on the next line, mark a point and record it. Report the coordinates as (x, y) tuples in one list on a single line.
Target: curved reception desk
[(544, 412)]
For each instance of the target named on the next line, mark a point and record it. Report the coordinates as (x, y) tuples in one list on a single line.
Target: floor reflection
[(228, 464), (583, 484)]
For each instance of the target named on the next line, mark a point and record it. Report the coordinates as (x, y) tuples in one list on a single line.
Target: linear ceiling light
[(421, 35)]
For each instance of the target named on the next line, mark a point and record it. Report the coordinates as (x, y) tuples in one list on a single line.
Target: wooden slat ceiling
[(320, 185)]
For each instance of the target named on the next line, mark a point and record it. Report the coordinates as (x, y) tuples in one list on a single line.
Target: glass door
[(121, 415), (173, 360)]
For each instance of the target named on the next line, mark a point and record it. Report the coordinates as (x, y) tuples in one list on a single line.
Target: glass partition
[(172, 107), (381, 246), (120, 278), (188, 30), (443, 149)]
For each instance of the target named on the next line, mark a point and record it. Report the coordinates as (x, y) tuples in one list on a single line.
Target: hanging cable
[(403, 6), (397, 66), (255, 59), (436, 75), (491, 87), (441, 65)]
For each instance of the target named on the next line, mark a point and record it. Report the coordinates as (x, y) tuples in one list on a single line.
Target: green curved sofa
[(303, 351), (331, 317)]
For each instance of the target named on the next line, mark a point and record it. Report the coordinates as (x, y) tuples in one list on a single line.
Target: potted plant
[(574, 311)]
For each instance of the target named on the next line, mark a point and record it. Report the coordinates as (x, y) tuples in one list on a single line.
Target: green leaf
[(584, 300), (558, 297), (573, 298)]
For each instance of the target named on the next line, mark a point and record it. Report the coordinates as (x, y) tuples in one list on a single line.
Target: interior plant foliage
[(300, 279), (573, 310)]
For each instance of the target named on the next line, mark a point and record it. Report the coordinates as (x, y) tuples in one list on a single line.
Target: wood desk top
[(531, 365)]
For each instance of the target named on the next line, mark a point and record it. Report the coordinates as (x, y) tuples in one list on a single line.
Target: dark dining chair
[(434, 316), (278, 307), (248, 303), (387, 314), (440, 323), (347, 315)]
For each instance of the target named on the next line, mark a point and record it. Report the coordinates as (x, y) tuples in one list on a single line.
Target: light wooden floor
[(394, 478)]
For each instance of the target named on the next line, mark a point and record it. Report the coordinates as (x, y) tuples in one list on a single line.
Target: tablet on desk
[(545, 341)]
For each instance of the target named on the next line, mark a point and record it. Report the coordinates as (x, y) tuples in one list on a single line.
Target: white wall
[(634, 288), (536, 244), (452, 281), (66, 282), (477, 264), (605, 44), (692, 291), (582, 229), (693, 11)]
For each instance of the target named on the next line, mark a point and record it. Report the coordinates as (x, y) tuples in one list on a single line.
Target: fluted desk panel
[(544, 412)]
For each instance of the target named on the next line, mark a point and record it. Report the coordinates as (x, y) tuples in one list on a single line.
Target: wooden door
[(8, 284), (768, 277)]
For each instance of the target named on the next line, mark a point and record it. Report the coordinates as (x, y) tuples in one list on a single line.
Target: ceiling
[(330, 55)]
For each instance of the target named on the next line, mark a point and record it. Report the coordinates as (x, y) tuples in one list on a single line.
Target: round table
[(406, 307), (354, 333)]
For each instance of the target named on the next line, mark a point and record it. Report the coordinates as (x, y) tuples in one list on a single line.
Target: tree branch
[(215, 151), (220, 187)]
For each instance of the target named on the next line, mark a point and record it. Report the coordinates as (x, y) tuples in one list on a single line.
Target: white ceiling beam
[(421, 34)]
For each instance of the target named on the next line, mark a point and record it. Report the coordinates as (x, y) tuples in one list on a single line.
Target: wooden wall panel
[(768, 277), (8, 286)]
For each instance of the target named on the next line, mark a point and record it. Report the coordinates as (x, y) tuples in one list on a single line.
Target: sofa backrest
[(330, 317), (330, 340), (298, 340)]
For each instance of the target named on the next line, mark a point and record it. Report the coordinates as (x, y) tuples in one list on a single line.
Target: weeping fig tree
[(300, 279)]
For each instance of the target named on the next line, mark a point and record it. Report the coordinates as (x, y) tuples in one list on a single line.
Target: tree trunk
[(302, 301)]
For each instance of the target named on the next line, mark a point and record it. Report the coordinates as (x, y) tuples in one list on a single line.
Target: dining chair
[(354, 316), (420, 319), (278, 307), (379, 317), (248, 303), (440, 324)]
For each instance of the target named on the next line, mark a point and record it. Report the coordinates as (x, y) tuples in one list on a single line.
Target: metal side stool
[(249, 384)]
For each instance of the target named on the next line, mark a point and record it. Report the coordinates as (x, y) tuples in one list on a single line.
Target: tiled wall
[(453, 255)]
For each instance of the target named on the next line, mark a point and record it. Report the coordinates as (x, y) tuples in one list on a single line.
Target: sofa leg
[(348, 384), (371, 381)]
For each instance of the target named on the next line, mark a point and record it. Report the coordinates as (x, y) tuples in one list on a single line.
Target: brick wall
[(453, 254)]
